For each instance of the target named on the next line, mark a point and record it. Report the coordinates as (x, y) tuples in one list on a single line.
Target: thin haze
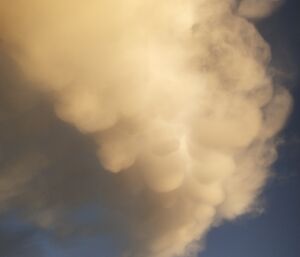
[(176, 99)]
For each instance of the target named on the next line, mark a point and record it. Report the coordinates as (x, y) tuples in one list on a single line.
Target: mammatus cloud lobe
[(177, 96)]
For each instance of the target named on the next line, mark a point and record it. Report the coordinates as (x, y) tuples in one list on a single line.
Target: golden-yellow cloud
[(177, 96)]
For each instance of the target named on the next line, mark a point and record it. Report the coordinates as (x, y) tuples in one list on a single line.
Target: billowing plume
[(176, 95)]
